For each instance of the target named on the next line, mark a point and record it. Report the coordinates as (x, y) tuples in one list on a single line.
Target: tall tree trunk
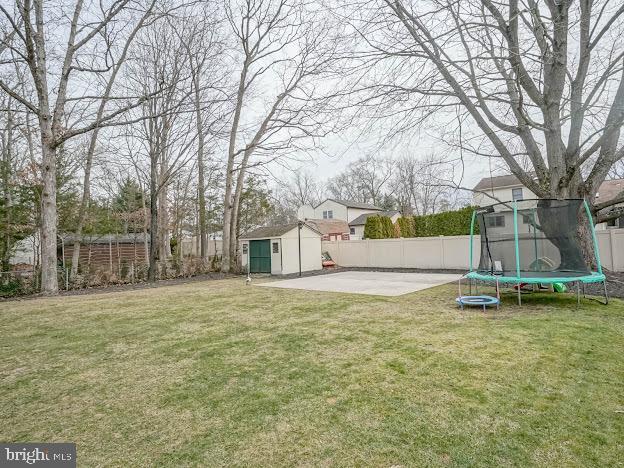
[(6, 178), (49, 281), (153, 247), (201, 183), (164, 247), (203, 234), (564, 225), (234, 223), (229, 172), (227, 220), (84, 204)]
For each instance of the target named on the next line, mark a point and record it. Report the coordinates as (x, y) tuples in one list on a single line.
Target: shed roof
[(361, 220), (274, 231)]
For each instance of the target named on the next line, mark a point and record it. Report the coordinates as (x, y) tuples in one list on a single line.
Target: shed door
[(260, 256)]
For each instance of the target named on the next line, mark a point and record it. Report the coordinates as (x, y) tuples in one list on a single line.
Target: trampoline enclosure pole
[(535, 239), (595, 240), (517, 247), (472, 222)]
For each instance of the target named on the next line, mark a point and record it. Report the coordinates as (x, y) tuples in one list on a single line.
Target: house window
[(495, 221), (528, 219), (516, 194), (244, 248), (352, 230), (612, 223), (275, 247), (329, 214)]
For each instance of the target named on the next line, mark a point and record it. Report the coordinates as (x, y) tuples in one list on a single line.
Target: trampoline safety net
[(548, 238)]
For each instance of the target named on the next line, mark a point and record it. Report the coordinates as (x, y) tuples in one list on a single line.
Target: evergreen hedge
[(449, 223), (406, 226), (379, 227)]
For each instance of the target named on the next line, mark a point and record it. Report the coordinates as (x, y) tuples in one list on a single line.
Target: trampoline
[(477, 301), (534, 242)]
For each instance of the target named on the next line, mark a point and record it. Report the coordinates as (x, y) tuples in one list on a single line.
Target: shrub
[(449, 223), (387, 228), (406, 226), (372, 228), (378, 227), (12, 287), (397, 230)]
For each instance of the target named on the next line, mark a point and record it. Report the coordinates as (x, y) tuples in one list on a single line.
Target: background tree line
[(179, 118)]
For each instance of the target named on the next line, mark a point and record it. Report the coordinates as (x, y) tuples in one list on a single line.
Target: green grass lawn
[(217, 373)]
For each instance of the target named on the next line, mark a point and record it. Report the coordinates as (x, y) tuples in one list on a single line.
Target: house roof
[(608, 190), (498, 181), (352, 204), (361, 220), (274, 231), (329, 226)]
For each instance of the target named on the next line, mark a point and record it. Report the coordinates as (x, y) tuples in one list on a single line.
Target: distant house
[(509, 188), (356, 226), (331, 208), (331, 229), (26, 253)]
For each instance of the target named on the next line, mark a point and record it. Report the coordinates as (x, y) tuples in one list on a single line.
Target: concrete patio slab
[(367, 282)]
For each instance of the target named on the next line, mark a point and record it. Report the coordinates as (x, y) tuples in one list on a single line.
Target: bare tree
[(93, 140), (165, 131), (8, 144), (302, 189), (343, 186), (211, 99), (617, 171), (421, 185), (62, 62), (363, 180), (540, 83), (285, 43)]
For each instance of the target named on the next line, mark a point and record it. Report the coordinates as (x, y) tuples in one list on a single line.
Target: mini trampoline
[(477, 301), (534, 242)]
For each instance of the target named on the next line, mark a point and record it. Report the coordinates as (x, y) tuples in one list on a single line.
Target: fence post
[(612, 249), (110, 253), (403, 262), (338, 261), (442, 263)]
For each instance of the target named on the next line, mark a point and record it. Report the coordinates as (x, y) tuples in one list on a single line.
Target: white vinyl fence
[(191, 247), (443, 252)]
